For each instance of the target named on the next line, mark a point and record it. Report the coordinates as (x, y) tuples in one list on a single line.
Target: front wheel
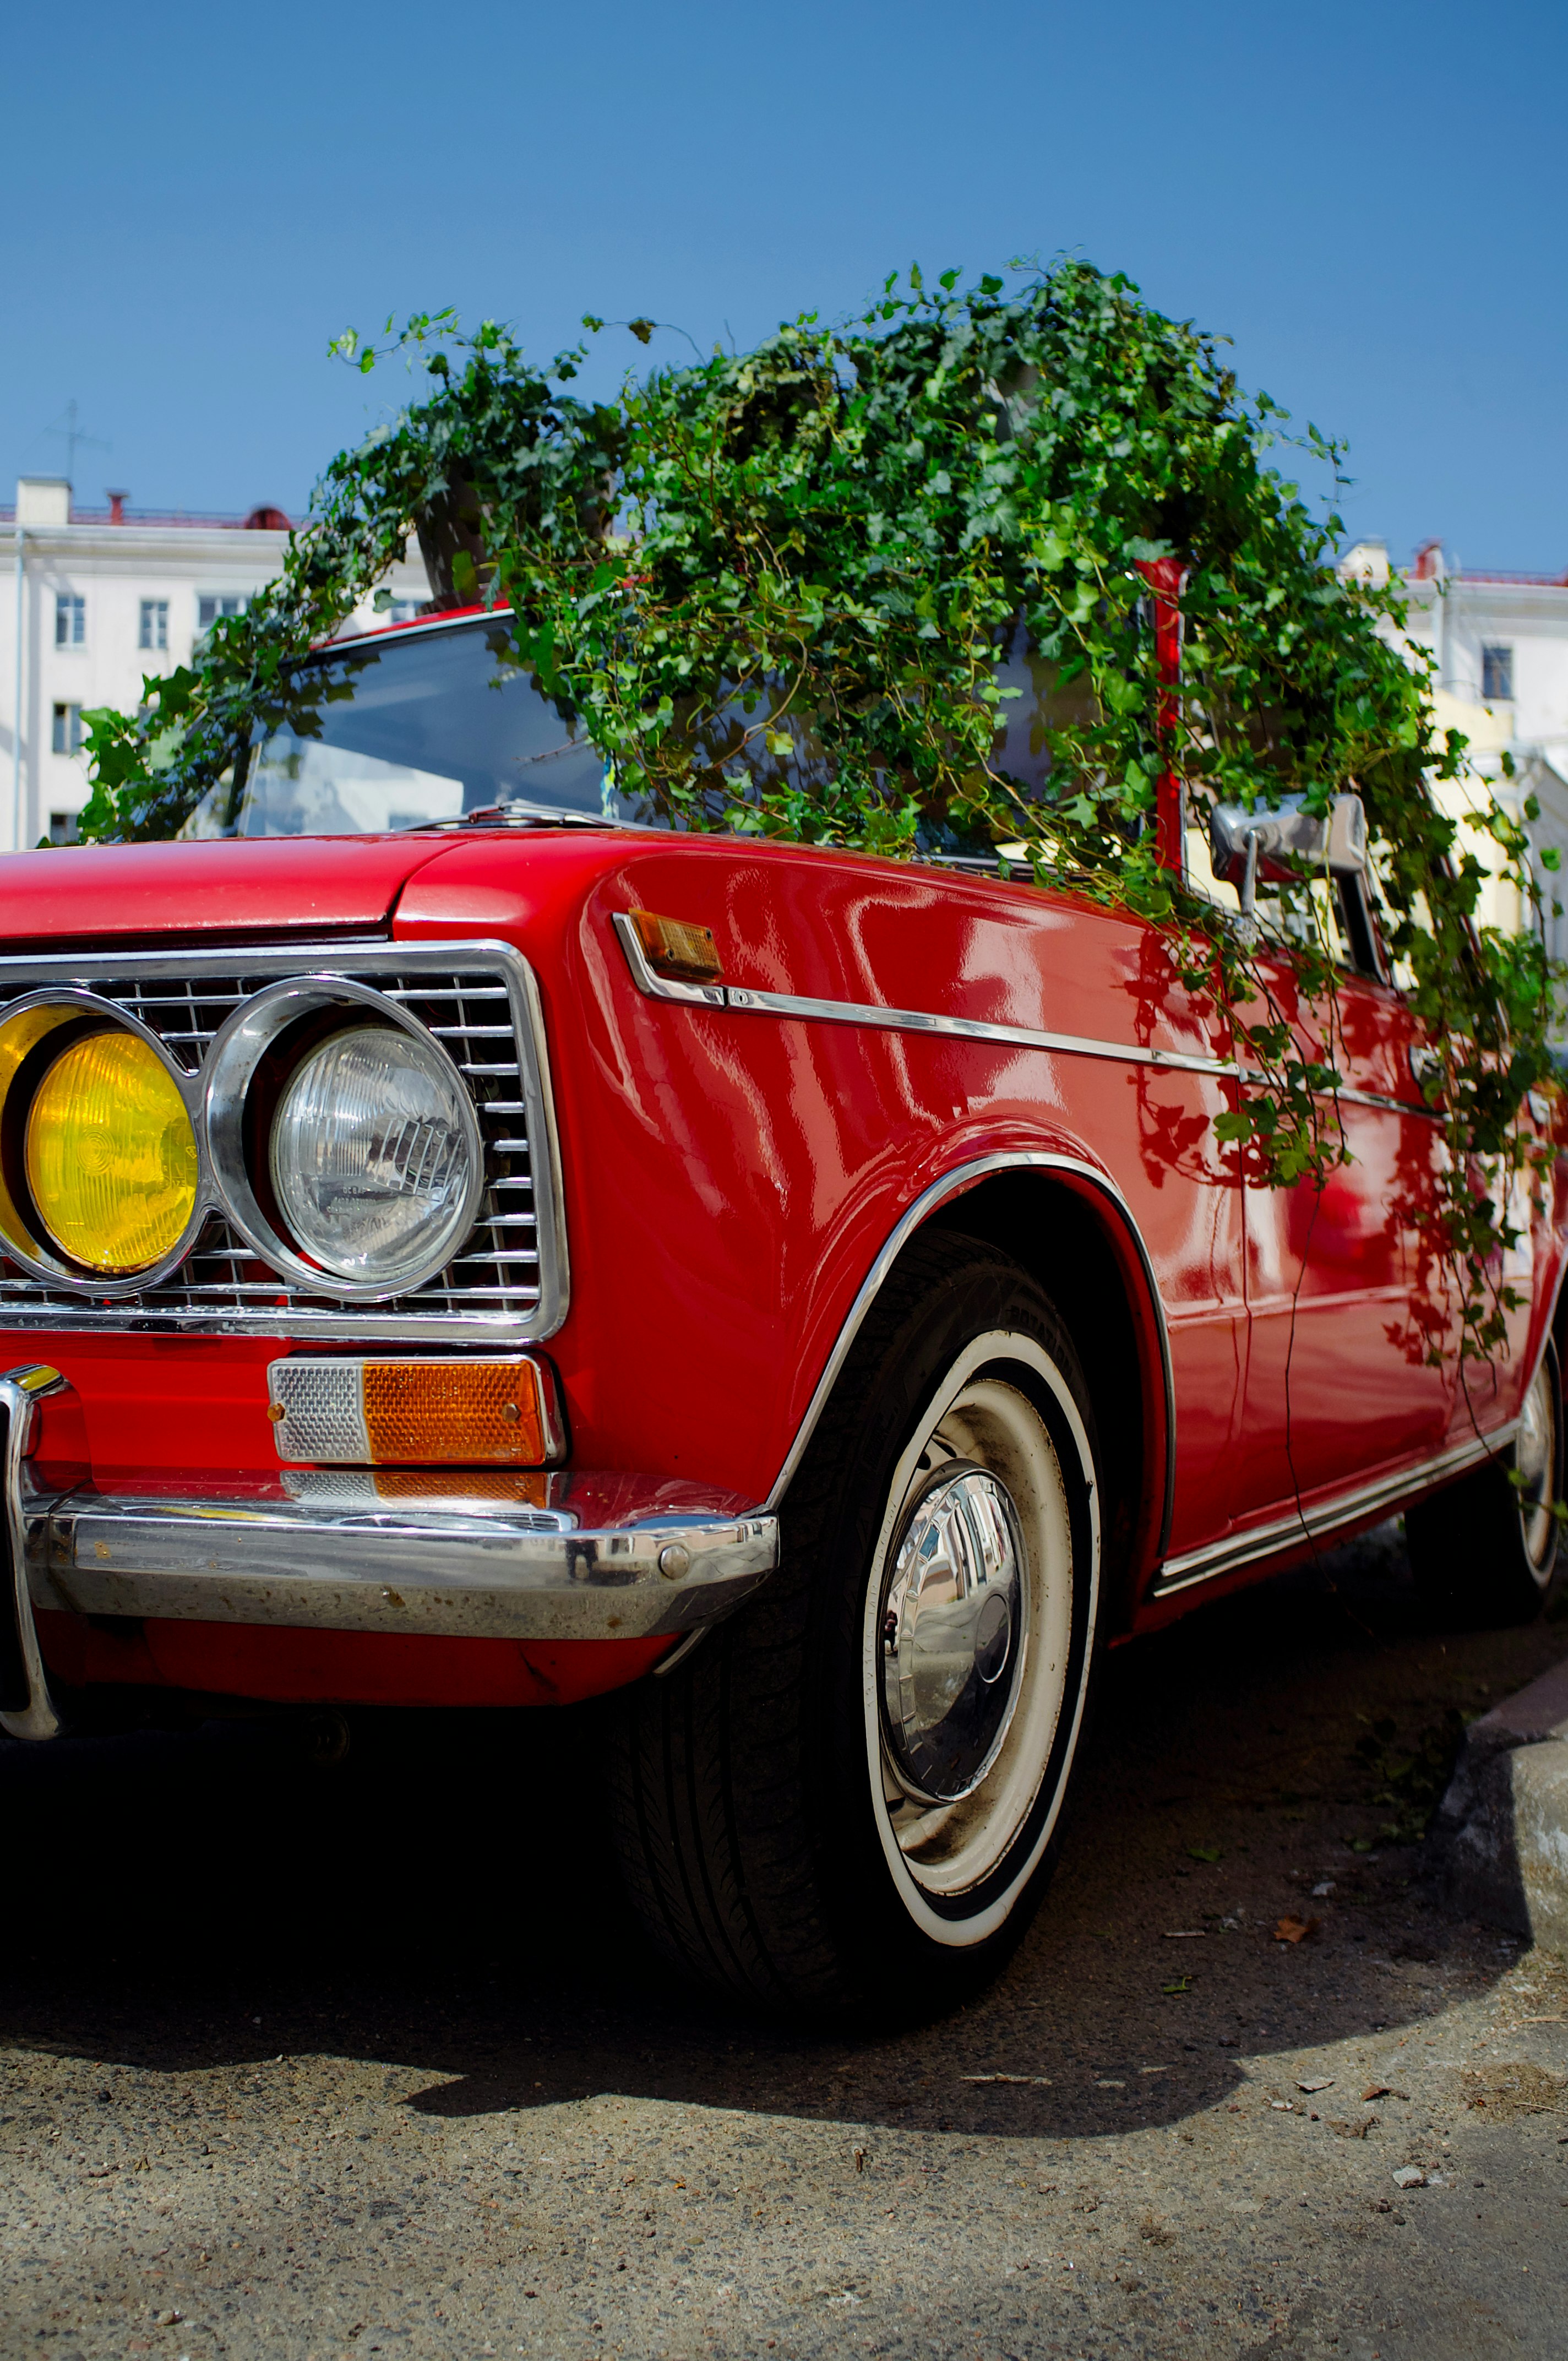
[(849, 1797), (1484, 1551)]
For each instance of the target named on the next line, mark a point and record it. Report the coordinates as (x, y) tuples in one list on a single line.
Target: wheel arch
[(1069, 1226), (1557, 1326)]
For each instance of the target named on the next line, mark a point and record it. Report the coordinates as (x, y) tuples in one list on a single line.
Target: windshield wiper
[(518, 813)]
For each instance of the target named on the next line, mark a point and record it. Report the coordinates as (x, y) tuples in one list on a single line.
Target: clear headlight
[(371, 1157)]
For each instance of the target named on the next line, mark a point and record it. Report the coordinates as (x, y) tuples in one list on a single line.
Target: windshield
[(409, 730), (422, 729)]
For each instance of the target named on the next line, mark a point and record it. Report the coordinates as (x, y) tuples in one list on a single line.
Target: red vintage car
[(467, 1246)]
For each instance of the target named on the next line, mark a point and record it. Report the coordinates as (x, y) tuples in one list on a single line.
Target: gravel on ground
[(365, 2058)]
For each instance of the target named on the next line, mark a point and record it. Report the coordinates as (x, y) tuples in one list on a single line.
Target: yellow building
[(1497, 646)]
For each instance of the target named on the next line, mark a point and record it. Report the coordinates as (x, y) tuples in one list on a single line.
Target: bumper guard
[(609, 1556)]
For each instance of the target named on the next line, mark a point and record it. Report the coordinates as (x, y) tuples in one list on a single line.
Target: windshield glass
[(421, 728), (407, 731)]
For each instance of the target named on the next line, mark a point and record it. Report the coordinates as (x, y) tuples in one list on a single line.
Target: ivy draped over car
[(777, 589)]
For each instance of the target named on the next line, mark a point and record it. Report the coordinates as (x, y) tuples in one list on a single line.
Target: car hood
[(265, 886)]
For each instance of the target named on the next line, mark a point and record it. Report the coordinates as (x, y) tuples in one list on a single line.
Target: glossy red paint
[(731, 1177), (308, 1668), (157, 1404), (1345, 1296), (679, 1123), (278, 886)]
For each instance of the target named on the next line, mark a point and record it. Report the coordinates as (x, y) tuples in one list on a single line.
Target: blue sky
[(1366, 198)]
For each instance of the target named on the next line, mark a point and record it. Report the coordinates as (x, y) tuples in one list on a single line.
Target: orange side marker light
[(416, 1412), (676, 947)]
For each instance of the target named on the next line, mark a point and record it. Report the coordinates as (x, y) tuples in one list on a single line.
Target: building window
[(211, 604), (70, 621), (62, 829), (66, 737), (154, 631), (1496, 675)]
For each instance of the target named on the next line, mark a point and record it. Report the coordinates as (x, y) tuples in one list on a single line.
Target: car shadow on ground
[(443, 1901)]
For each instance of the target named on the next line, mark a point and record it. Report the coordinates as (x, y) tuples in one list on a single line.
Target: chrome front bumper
[(599, 1557)]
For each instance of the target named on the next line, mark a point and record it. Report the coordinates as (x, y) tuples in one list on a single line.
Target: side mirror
[(1285, 842)]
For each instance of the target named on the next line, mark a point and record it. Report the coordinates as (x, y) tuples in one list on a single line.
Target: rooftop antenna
[(71, 434)]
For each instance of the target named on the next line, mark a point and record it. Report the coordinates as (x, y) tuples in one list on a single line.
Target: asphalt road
[(365, 2061)]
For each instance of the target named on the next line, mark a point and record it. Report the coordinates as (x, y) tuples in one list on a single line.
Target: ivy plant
[(789, 592)]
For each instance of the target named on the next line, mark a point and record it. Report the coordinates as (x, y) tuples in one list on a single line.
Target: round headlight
[(372, 1160), (109, 1154)]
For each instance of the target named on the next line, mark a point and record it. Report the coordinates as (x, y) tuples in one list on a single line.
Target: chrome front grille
[(479, 1000)]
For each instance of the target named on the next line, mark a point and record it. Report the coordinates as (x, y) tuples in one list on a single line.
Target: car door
[(1350, 1320), (1186, 1188)]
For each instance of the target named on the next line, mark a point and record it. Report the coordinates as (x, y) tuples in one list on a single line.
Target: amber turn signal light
[(359, 1413), (676, 947)]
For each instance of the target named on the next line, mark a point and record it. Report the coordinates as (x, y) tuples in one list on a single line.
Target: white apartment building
[(92, 600), (1499, 646)]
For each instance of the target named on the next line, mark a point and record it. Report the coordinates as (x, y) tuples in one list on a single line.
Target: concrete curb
[(1498, 1846)]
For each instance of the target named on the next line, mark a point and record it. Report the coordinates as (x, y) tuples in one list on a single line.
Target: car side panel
[(1354, 1324), (731, 1175)]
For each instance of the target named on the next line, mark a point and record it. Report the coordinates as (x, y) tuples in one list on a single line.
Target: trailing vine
[(798, 592)]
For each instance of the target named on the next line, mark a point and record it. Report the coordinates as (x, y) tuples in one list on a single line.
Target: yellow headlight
[(111, 1156)]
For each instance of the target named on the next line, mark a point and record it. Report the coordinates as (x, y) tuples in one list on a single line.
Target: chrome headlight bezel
[(242, 1043), (37, 1255)]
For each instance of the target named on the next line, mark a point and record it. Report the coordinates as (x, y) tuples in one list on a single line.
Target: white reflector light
[(360, 1413)]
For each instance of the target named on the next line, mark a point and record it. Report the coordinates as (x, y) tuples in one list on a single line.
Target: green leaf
[(840, 517), (1234, 1122)]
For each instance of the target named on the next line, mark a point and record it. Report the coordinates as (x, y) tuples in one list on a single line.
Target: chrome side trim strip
[(956, 1028), (1376, 1099), (19, 1388), (612, 1557), (952, 1185), (893, 1020), (1282, 1533), (966, 1028)]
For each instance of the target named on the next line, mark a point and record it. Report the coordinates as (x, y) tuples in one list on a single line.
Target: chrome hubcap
[(969, 1669), (953, 1623), (1535, 1459)]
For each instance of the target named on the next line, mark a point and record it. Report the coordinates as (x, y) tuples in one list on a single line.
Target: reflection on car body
[(799, 1294)]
